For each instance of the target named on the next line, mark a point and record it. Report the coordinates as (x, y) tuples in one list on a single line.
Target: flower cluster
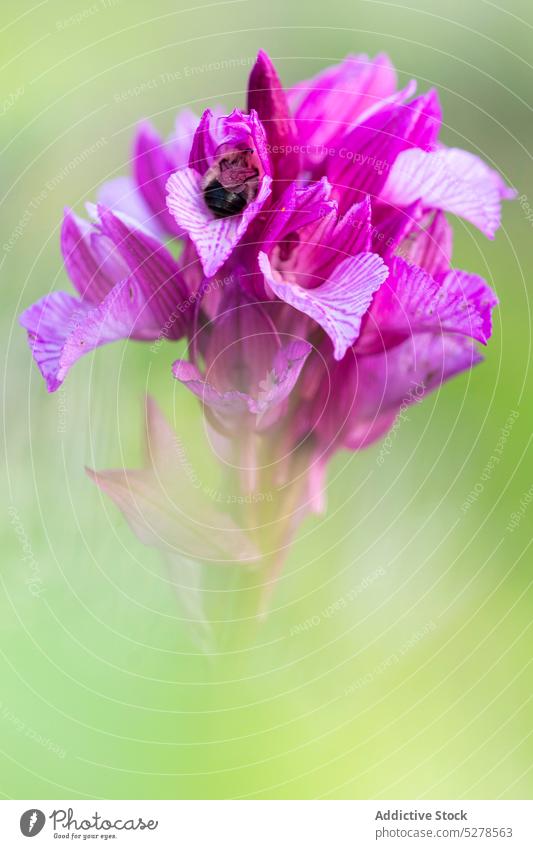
[(314, 287)]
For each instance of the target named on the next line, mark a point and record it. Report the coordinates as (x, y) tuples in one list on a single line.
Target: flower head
[(323, 210), (225, 185)]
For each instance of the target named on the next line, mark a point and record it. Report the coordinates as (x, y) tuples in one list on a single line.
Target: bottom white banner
[(268, 824)]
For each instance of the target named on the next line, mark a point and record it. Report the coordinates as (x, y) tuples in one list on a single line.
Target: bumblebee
[(231, 183)]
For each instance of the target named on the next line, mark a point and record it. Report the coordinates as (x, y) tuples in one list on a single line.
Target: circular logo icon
[(32, 822)]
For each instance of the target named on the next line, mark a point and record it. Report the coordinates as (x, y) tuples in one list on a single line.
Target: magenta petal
[(404, 374), (411, 301), (61, 329), (449, 179), (317, 247), (272, 391), (339, 304), (391, 226), (369, 150), (156, 273), (203, 145), (234, 130), (152, 166), (132, 243), (122, 196), (364, 433), (231, 403), (298, 206), (144, 304), (429, 244), (280, 381), (327, 105), (49, 322), (129, 311), (243, 342), (351, 234), (213, 238), (469, 304), (267, 97), (85, 268), (368, 392)]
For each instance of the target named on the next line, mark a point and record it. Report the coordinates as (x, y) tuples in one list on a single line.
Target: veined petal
[(214, 238), (87, 270), (267, 97), (281, 379), (49, 322), (353, 231), (204, 144), (404, 374), (236, 129), (368, 151), (391, 226), (327, 105), (152, 166), (308, 256), (122, 196), (243, 341), (129, 311), (157, 274), (296, 208), (61, 329), (339, 304), (263, 400), (231, 403), (429, 244), (411, 301), (367, 392), (450, 179), (470, 302)]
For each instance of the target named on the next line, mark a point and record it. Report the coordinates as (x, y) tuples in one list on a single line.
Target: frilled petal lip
[(412, 301), (450, 179), (214, 238), (277, 384), (337, 305)]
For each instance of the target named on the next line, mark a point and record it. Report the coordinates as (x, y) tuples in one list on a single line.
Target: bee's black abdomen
[(223, 202)]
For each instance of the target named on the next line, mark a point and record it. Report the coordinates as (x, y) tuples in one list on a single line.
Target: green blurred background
[(413, 676)]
